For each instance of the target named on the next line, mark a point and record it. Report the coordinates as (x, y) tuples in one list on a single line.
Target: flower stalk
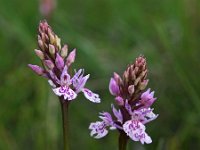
[(65, 122), (123, 140)]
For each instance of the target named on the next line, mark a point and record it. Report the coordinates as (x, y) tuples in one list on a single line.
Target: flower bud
[(52, 49), (49, 64), (133, 75), (59, 62), (143, 84), (143, 73), (38, 70), (57, 42), (113, 87), (43, 37), (71, 58), (119, 100), (126, 76), (41, 45), (117, 78), (137, 81), (131, 89), (39, 53), (64, 51), (51, 36)]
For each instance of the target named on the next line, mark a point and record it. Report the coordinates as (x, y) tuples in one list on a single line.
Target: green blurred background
[(108, 34)]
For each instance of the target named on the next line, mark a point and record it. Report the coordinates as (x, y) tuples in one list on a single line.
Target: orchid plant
[(56, 63), (134, 106)]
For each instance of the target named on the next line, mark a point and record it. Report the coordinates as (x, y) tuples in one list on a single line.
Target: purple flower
[(134, 128), (76, 83), (147, 98), (134, 105), (56, 63), (99, 129)]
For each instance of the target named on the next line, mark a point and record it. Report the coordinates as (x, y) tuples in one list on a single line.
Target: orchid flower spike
[(134, 105), (56, 65)]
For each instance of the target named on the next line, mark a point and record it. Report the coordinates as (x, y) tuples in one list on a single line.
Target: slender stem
[(123, 139), (64, 106)]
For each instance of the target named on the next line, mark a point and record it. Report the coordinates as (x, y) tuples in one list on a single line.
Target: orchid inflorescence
[(134, 105), (56, 63), (133, 101)]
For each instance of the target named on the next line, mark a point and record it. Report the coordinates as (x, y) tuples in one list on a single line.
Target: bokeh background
[(108, 35)]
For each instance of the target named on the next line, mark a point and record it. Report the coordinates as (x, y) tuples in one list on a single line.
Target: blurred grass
[(108, 34)]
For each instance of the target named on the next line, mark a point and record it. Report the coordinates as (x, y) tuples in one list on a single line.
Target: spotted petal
[(136, 131), (70, 95), (79, 80), (65, 91), (98, 129), (91, 96)]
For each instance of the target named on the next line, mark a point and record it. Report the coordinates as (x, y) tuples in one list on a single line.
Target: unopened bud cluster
[(133, 81)]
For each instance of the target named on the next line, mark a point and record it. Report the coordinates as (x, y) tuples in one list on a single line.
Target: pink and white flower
[(70, 87), (136, 131), (98, 129), (147, 98)]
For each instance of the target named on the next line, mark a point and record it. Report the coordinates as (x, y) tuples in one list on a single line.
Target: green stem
[(123, 139), (64, 106)]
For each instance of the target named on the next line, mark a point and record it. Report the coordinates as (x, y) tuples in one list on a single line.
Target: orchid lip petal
[(70, 95), (136, 131), (65, 91)]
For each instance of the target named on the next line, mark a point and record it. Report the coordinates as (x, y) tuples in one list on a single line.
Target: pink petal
[(65, 91), (91, 96), (136, 131), (79, 81), (98, 129), (147, 98), (57, 91), (117, 114), (128, 107), (53, 76), (71, 58), (65, 77), (51, 84), (107, 118), (70, 95)]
